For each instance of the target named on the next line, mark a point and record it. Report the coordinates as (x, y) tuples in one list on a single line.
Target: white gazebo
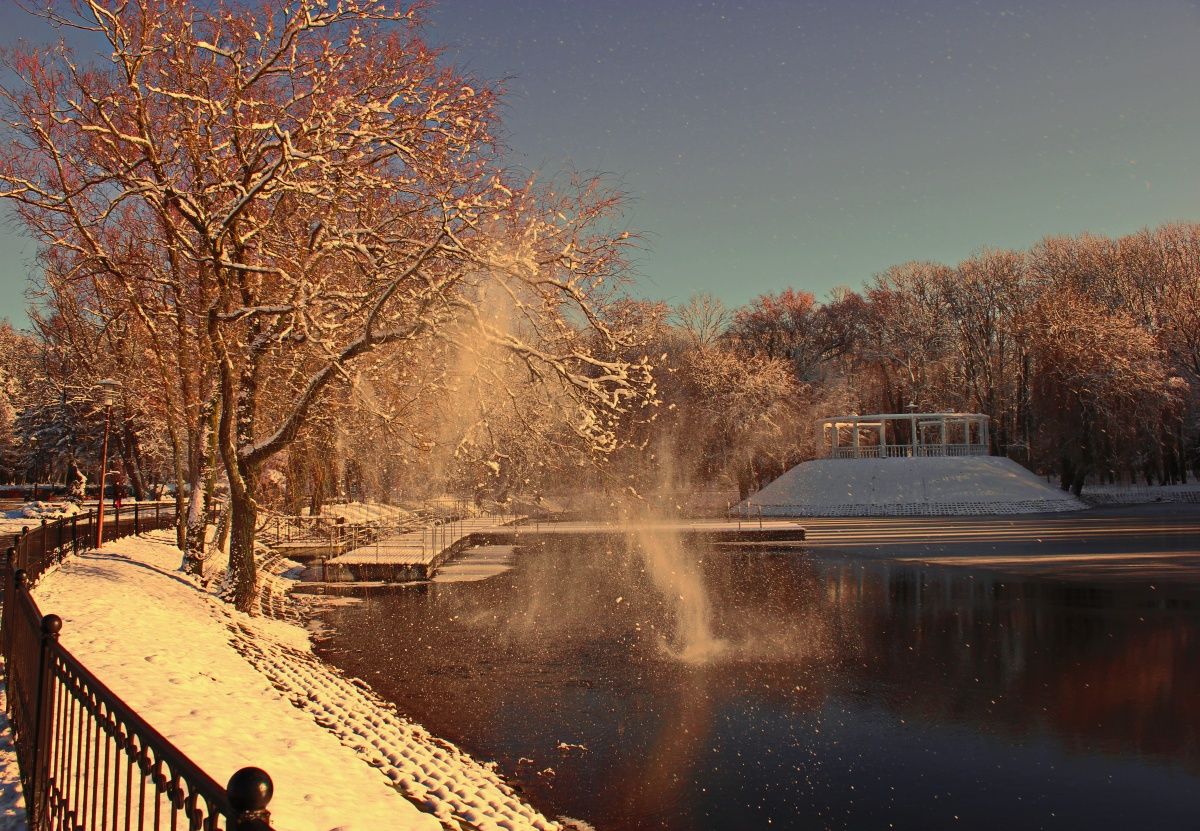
[(897, 435)]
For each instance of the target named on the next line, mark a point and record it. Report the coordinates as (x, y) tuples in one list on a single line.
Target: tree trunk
[(1084, 464), (210, 474), (221, 538), (242, 567), (177, 461), (131, 453), (200, 464), (1066, 472), (197, 525), (180, 510)]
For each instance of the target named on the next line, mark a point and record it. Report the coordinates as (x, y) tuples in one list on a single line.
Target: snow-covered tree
[(311, 186), (1100, 381)]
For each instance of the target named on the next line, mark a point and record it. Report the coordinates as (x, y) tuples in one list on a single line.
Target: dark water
[(855, 694)]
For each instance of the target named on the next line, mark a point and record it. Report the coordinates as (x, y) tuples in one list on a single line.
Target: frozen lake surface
[(849, 693)]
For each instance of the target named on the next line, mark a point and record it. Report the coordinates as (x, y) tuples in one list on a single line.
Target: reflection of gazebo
[(893, 435)]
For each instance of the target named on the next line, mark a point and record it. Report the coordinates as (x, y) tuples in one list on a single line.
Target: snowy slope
[(923, 486)]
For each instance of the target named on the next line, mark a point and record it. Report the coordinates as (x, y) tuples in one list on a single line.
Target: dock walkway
[(416, 555), (412, 555)]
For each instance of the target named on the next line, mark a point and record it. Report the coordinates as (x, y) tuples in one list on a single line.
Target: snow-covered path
[(12, 800), (231, 690)]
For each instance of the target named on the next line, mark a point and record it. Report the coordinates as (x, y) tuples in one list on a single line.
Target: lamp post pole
[(912, 423), (108, 389)]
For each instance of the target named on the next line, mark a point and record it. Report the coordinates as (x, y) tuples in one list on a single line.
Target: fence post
[(116, 521), (250, 791), (137, 520), (44, 714), (10, 570), (75, 534)]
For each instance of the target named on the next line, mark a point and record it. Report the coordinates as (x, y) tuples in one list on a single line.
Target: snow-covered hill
[(900, 487)]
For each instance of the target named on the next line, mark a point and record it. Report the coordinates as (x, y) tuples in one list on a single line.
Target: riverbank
[(233, 690)]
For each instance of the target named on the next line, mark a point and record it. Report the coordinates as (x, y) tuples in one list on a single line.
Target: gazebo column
[(942, 427), (854, 441), (912, 435)]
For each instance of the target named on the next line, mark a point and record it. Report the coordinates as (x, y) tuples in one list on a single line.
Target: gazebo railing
[(905, 451), (903, 435)]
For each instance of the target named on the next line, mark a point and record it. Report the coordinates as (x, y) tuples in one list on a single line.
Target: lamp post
[(108, 394), (912, 426)]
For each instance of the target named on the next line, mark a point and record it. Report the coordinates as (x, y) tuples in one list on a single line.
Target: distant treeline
[(1084, 352)]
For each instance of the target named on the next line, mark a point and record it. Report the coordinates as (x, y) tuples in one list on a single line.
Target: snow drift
[(921, 486)]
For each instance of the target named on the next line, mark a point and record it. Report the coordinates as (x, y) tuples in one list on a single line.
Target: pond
[(846, 693)]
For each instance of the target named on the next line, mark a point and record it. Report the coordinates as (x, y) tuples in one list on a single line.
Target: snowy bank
[(933, 486), (1140, 494), (231, 690)]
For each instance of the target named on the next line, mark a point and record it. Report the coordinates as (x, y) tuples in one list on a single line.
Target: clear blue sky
[(776, 143)]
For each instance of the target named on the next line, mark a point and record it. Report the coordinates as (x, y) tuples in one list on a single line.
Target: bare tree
[(704, 319)]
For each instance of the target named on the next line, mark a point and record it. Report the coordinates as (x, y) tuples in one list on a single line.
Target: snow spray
[(676, 574)]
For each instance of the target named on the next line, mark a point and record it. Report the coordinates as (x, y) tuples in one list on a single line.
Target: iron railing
[(48, 543), (88, 761), (901, 451)]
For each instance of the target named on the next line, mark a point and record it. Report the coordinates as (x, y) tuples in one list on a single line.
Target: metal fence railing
[(45, 544), (88, 761), (901, 451)]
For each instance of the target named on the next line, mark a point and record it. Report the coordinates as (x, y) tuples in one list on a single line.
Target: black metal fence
[(45, 544), (88, 761)]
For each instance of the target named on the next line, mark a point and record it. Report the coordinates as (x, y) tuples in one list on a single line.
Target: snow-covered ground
[(354, 512), (1140, 494), (12, 800), (943, 486), (232, 690), (31, 514)]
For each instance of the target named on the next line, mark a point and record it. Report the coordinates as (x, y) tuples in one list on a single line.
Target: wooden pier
[(303, 551), (418, 554)]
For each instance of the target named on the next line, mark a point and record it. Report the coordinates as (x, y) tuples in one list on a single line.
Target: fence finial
[(250, 791), (51, 625)]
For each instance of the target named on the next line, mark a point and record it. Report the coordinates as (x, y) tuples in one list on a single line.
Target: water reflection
[(856, 692)]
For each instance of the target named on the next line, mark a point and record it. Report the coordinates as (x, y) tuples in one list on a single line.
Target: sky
[(769, 144)]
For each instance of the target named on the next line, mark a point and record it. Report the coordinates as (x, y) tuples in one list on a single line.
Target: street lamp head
[(108, 391)]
